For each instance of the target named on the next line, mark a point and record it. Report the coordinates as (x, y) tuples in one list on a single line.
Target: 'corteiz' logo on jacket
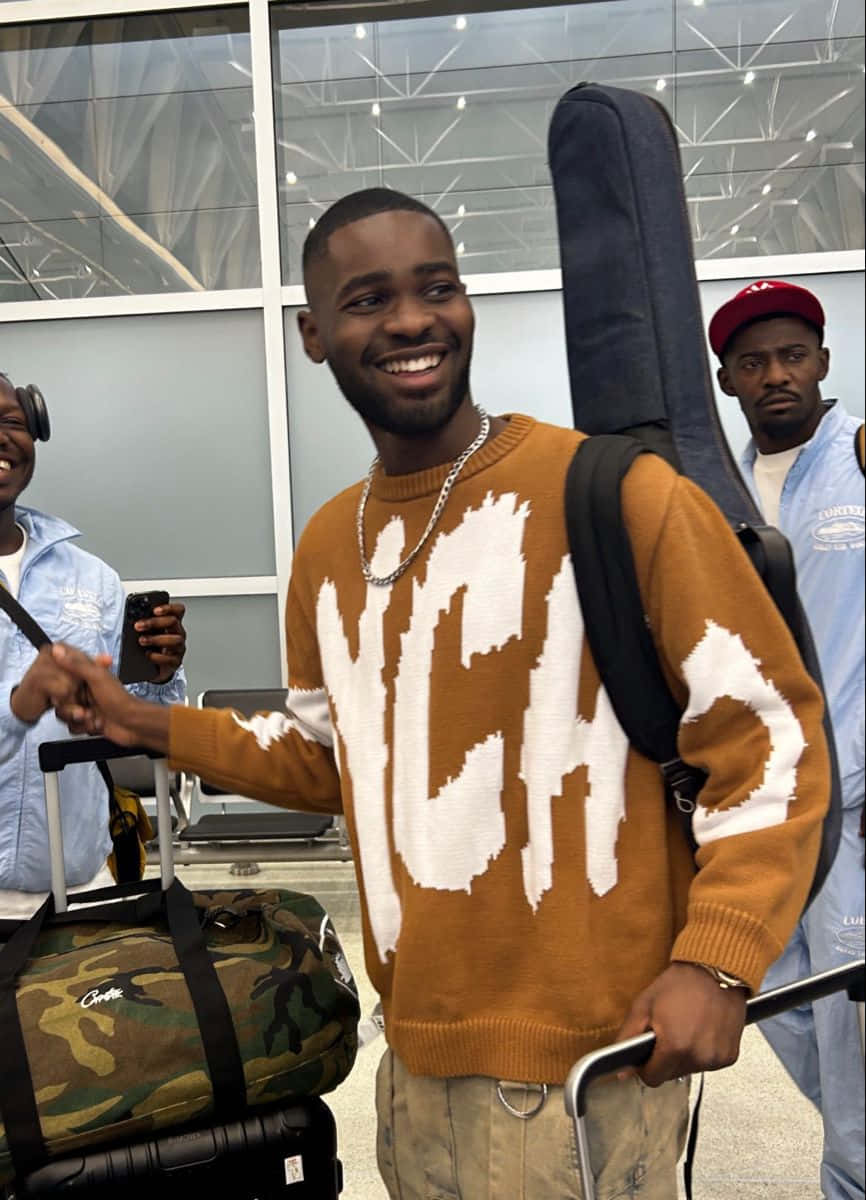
[(89, 999)]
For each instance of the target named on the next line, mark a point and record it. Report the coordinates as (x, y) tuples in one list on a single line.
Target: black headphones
[(34, 408)]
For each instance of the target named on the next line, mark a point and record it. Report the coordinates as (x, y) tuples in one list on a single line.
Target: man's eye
[(796, 356), (364, 302), (439, 291)]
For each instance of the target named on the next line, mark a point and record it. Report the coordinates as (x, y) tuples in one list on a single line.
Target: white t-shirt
[(10, 564), (771, 471)]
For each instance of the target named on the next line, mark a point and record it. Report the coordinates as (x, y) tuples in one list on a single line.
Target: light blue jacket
[(76, 598), (822, 515)]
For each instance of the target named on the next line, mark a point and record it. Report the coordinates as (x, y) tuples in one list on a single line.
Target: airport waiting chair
[(224, 826)]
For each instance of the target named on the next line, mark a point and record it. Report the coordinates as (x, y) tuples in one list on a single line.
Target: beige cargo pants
[(455, 1139)]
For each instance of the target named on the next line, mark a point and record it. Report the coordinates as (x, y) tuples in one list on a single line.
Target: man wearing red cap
[(802, 466)]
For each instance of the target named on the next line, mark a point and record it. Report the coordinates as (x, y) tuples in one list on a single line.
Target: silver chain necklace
[(384, 580)]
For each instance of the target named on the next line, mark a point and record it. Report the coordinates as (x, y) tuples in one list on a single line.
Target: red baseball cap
[(765, 298)]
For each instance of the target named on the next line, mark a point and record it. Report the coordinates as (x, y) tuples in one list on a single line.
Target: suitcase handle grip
[(54, 756), (635, 1051)]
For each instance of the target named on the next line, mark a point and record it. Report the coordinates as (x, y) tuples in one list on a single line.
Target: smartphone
[(135, 666)]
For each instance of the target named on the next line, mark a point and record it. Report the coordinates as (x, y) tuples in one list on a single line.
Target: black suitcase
[(289, 1150)]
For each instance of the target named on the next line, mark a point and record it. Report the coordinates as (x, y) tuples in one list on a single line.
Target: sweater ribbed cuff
[(727, 939)]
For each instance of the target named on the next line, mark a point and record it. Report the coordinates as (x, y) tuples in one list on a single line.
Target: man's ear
[(824, 357), (724, 378), (309, 331)]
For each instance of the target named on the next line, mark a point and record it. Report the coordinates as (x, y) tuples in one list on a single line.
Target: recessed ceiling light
[(461, 248), (312, 222), (661, 84), (291, 177), (360, 32), (461, 210), (461, 23), (735, 229), (749, 77), (766, 189), (461, 102), (376, 109), (811, 135), (698, 3)]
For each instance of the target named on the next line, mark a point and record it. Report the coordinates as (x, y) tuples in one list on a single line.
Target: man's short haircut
[(355, 207)]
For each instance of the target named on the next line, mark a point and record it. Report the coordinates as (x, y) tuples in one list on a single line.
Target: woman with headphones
[(73, 596)]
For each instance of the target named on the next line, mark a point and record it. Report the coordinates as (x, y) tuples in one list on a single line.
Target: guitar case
[(637, 352)]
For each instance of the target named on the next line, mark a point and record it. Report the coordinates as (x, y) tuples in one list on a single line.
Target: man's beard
[(780, 427), (412, 419)]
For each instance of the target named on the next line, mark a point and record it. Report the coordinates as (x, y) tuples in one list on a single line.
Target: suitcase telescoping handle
[(54, 756), (635, 1051)]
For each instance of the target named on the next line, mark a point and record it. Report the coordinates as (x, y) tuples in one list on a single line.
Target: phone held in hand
[(135, 666)]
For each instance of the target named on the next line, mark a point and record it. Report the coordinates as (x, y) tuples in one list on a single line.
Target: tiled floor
[(760, 1140)]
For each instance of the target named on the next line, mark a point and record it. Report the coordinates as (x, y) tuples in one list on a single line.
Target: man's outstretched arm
[(275, 757)]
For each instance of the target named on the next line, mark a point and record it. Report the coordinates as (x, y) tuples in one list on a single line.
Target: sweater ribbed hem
[(497, 1047), (729, 940), (423, 483)]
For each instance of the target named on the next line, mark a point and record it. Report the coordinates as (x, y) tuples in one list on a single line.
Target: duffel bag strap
[(17, 1101), (219, 1038)]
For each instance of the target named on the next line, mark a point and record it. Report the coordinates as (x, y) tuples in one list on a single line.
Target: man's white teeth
[(5, 464), (411, 365)]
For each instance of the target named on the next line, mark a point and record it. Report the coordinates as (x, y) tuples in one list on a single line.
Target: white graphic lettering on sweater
[(307, 712), (444, 841), (556, 741), (721, 666), (358, 694)]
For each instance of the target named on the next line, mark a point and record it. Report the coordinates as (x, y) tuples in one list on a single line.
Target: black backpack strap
[(860, 448), (613, 612), (31, 629)]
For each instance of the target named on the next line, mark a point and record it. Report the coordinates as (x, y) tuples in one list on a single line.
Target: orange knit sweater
[(521, 876)]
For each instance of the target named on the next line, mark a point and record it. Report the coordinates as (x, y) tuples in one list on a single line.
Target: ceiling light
[(312, 223), (461, 248), (811, 135), (461, 102), (360, 32), (461, 210), (661, 84), (749, 77), (376, 109), (766, 189), (735, 229), (698, 3), (291, 177), (461, 23)]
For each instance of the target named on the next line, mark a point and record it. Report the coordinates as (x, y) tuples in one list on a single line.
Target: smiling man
[(526, 894), (802, 465), (76, 597)]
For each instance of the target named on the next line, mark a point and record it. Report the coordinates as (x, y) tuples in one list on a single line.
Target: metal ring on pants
[(515, 1112)]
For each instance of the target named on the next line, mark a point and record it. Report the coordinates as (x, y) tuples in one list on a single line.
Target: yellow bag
[(130, 829)]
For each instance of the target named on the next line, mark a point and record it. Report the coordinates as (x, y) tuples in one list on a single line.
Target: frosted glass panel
[(233, 642), (159, 447)]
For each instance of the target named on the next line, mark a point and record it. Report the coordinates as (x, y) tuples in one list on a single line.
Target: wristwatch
[(723, 979)]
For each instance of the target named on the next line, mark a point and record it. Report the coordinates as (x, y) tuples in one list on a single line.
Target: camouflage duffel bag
[(121, 1020)]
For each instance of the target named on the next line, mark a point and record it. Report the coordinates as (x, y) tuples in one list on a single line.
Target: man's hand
[(698, 1025), (45, 685), (165, 635), (104, 706)]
